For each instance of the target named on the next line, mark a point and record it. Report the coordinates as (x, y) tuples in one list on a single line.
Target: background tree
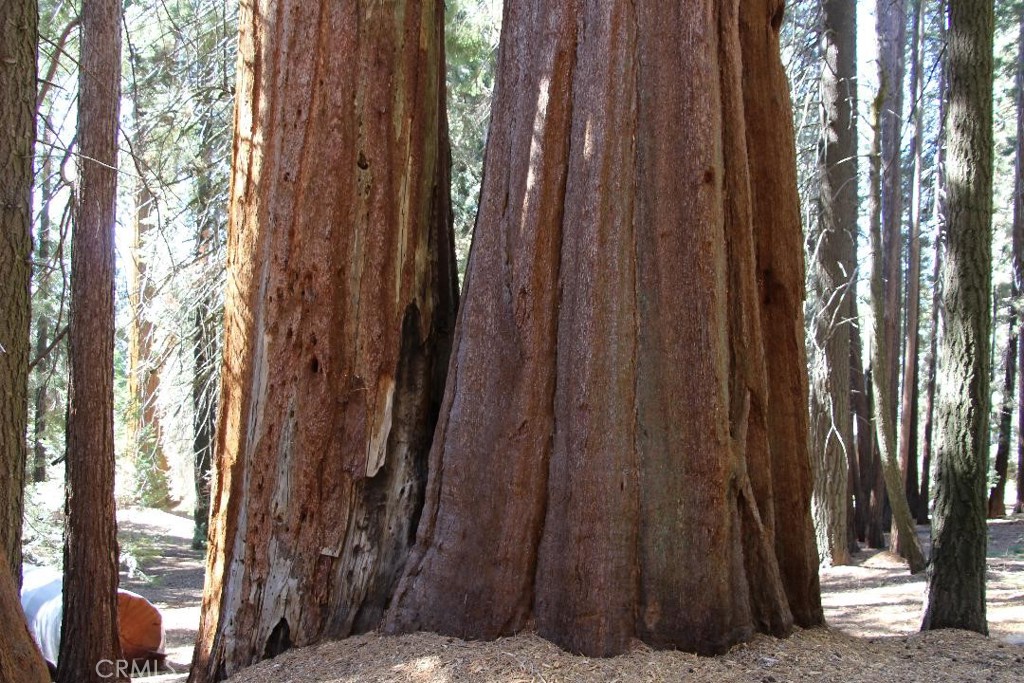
[(886, 273), (43, 276), (89, 628), (143, 424), (831, 296), (956, 581), (561, 439), (939, 220), (341, 296), (18, 19), (910, 394), (997, 494)]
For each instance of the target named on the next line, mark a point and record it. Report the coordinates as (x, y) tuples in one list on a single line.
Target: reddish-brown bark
[(18, 21), (625, 426), (89, 628), (340, 305), (20, 659)]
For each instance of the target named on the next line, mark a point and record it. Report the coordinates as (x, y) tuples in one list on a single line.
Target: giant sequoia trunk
[(338, 319), (832, 283), (956, 581), (18, 19), (89, 628), (622, 448)]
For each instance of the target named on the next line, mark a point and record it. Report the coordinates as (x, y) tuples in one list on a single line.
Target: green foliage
[(471, 43)]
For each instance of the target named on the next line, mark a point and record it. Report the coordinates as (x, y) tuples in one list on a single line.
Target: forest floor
[(873, 609)]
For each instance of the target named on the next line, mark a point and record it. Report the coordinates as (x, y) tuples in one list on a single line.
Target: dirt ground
[(873, 609)]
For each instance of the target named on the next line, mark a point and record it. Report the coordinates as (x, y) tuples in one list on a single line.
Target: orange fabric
[(140, 627)]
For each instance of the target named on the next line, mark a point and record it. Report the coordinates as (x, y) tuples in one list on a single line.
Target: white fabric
[(42, 601)]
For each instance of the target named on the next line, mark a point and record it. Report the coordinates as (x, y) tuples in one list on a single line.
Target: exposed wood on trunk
[(956, 580), (339, 309), (638, 241), (89, 631), (18, 21)]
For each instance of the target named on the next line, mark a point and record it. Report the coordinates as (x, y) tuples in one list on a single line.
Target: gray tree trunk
[(831, 286), (956, 581)]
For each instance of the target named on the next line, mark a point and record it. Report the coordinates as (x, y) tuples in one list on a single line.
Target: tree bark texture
[(18, 22), (339, 310), (89, 629), (831, 282), (780, 277), (622, 448), (956, 581), (20, 658), (909, 423)]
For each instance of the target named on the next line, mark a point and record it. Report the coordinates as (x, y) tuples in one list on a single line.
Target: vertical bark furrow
[(593, 545), (610, 370), (780, 263), (478, 562)]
